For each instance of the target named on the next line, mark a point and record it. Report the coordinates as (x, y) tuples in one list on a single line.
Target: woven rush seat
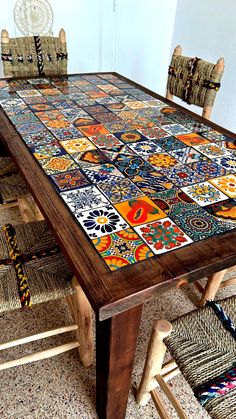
[(7, 165), (203, 346), (32, 268), (12, 187)]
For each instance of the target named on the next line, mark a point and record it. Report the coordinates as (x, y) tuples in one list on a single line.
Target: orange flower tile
[(192, 139)]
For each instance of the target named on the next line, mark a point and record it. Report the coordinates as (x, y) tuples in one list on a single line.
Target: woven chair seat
[(7, 166), (206, 355), (12, 187), (32, 268)]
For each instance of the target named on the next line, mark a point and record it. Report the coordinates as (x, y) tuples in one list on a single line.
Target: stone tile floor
[(60, 387)]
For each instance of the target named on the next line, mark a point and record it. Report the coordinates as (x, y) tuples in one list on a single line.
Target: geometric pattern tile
[(204, 193)]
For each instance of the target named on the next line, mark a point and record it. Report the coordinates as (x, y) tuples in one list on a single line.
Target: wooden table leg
[(116, 344)]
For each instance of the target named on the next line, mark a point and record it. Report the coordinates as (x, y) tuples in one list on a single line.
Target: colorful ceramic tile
[(208, 169), (224, 211), (135, 104), (83, 199), (154, 133), (119, 189), (119, 106), (35, 99), (122, 249), (145, 148), (226, 184), (228, 145), (204, 193), (162, 161), (30, 128), (174, 201), (130, 136), (192, 139), (101, 221), (132, 165), (28, 93), (43, 151), (83, 121), (77, 145), (199, 224), (212, 150), (92, 130), (175, 129), (116, 127), (170, 143), (139, 211), (102, 141), (38, 138), (69, 180), (182, 175), (113, 152), (151, 183), (91, 157), (197, 126), (67, 134), (23, 119), (127, 114), (228, 162), (58, 164), (107, 117), (39, 107), (163, 235), (102, 172), (187, 155), (214, 135)]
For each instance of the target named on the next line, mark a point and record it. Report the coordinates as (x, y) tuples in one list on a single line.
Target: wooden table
[(117, 297)]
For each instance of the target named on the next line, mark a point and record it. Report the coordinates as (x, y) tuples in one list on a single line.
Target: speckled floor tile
[(60, 387)]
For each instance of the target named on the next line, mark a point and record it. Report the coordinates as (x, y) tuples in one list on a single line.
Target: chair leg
[(29, 209), (212, 285), (169, 95), (154, 360), (82, 314), (206, 112)]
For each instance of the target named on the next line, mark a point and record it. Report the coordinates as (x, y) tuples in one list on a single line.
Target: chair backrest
[(34, 55), (194, 80)]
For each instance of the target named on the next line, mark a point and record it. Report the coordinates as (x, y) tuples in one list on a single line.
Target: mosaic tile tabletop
[(140, 177)]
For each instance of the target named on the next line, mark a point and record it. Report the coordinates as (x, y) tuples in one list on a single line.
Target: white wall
[(206, 29), (81, 21), (144, 40)]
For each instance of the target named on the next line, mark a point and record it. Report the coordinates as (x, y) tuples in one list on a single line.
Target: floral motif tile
[(199, 224), (154, 133), (35, 139), (30, 128), (113, 152), (214, 135), (140, 210), (90, 156), (122, 248), (92, 130), (151, 183), (115, 127), (192, 139), (102, 172), (182, 175), (95, 109), (175, 129), (83, 121), (162, 160), (119, 189), (57, 164), (145, 148), (66, 134), (170, 143), (204, 193), (228, 162), (226, 184), (107, 117), (69, 180), (174, 201), (230, 146), (163, 235), (212, 150), (225, 211), (43, 151), (40, 107), (197, 127), (102, 221), (83, 199), (127, 114), (207, 169), (130, 136), (132, 165), (135, 104), (102, 141), (77, 145)]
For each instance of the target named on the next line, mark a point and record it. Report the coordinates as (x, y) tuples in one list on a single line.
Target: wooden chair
[(194, 80), (216, 281), (203, 346), (32, 271), (34, 55)]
